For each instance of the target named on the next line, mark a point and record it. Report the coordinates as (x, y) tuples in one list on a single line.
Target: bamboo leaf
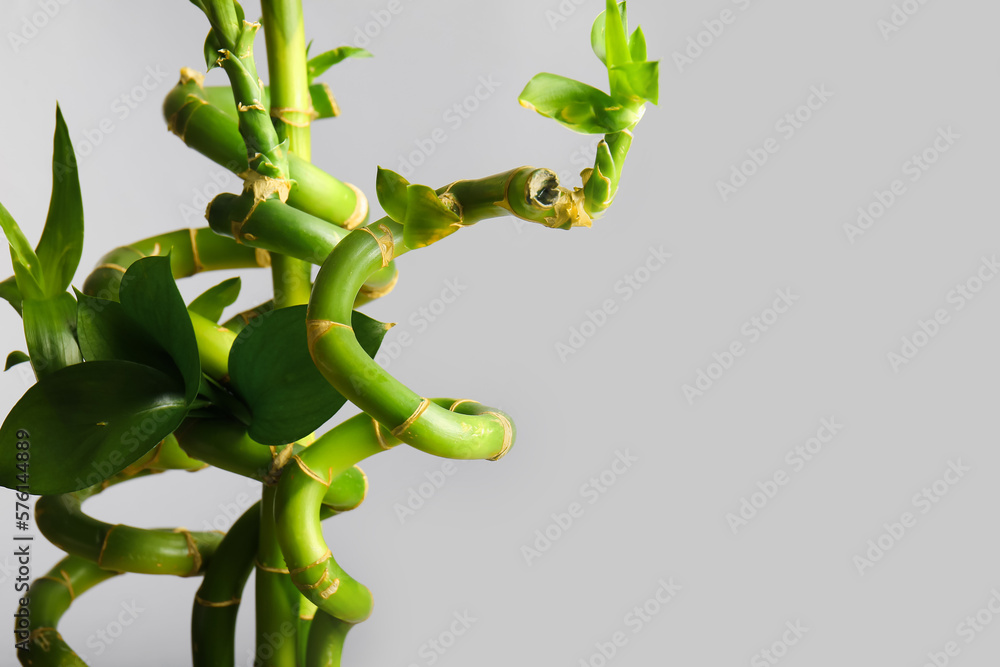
[(390, 189), (61, 244), (10, 293), (49, 329), (150, 298), (637, 45), (27, 268), (428, 219), (615, 40), (637, 82), (211, 50), (14, 358), (106, 332), (323, 101), (287, 396), (597, 38), (86, 422), (576, 105), (317, 65), (214, 300)]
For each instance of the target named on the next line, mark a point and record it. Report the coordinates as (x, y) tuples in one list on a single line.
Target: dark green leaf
[(14, 358), (576, 105), (216, 299), (211, 50), (272, 370), (49, 329), (149, 296), (27, 268), (221, 400), (10, 293), (317, 65), (61, 244), (390, 189), (428, 219), (106, 332), (86, 422)]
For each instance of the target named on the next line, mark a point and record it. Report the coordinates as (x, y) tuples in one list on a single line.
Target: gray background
[(622, 391)]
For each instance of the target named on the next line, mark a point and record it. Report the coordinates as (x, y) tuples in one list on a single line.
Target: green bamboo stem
[(291, 110), (119, 547), (601, 182), (166, 455), (50, 596), (217, 602), (304, 483), (224, 444), (214, 342), (208, 130), (326, 640), (191, 251), (277, 599), (307, 612)]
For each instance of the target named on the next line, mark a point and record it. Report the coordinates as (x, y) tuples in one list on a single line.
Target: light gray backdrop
[(824, 494)]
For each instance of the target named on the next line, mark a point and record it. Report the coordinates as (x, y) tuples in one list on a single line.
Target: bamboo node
[(327, 555), (188, 75), (310, 472), (401, 429), (378, 292), (385, 243), (282, 113), (195, 258), (508, 435), (460, 401), (192, 548), (114, 267), (331, 590), (312, 587), (379, 437), (38, 637), (360, 211), (262, 257), (208, 603), (268, 568)]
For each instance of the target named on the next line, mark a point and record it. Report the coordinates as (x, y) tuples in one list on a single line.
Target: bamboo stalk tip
[(188, 75)]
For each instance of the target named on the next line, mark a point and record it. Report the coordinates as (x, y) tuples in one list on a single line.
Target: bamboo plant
[(133, 381)]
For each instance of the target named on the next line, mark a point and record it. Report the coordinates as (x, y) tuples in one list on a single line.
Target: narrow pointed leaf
[(319, 64), (149, 296), (615, 40), (597, 38), (390, 188), (323, 101), (428, 219), (213, 301), (106, 332), (27, 268), (10, 293), (49, 329), (14, 358), (576, 105), (86, 422), (287, 396), (637, 45), (61, 244), (211, 50)]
